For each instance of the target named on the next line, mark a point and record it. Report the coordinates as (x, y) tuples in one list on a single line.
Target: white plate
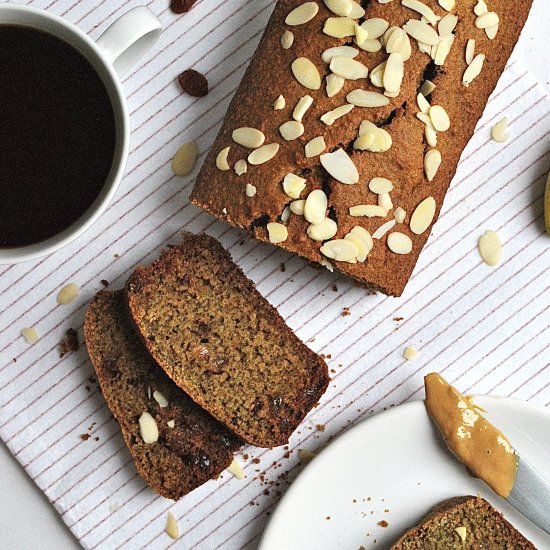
[(396, 461)]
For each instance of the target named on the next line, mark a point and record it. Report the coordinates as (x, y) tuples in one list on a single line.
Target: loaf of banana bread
[(463, 522), (346, 131)]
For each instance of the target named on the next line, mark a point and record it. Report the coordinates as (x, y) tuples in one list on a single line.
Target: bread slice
[(196, 449), (476, 520), (221, 342)]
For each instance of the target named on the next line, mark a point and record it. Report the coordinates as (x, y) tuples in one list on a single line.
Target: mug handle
[(129, 37)]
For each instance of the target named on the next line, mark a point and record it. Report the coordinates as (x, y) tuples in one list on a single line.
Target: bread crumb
[(383, 523), (69, 342), (30, 335), (320, 427)]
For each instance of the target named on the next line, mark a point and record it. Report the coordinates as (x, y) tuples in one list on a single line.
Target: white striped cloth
[(487, 330)]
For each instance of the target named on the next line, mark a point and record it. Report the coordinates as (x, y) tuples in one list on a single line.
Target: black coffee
[(57, 135)]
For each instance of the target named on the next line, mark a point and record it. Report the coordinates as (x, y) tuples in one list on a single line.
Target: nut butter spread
[(484, 450)]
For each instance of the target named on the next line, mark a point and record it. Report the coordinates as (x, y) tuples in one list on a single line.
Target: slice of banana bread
[(221, 342), (463, 522), (191, 447)]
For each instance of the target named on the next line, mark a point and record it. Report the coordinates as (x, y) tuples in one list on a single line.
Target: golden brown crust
[(223, 343), (269, 75), (196, 450), (485, 528)]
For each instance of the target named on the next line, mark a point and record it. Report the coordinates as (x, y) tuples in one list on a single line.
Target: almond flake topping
[(322, 231), (334, 84), (297, 207), (393, 73), (439, 118), (432, 162), (361, 35), (315, 208), (332, 116), (287, 39), (339, 51), (339, 7), (486, 20), (160, 399), (306, 73), (148, 428), (423, 216), (421, 8), (249, 137), (285, 216), (250, 190), (447, 25), (341, 250), (375, 27), (371, 46), (348, 68), (448, 5), (340, 166), (293, 185), (302, 14), (240, 167), (368, 211), (380, 186), (278, 233), (427, 88), (481, 8), (421, 32), (498, 132), (172, 529), (377, 75), (399, 214), (263, 154), (473, 70), (367, 98), (279, 104), (470, 50), (383, 230), (221, 160), (399, 243), (315, 147), (423, 103), (490, 248), (339, 27), (291, 130)]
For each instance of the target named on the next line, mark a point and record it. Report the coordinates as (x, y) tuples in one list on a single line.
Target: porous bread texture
[(486, 528), (223, 193), (197, 449), (221, 342)]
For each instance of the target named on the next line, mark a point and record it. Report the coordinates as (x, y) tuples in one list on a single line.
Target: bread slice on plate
[(214, 334), (463, 522), (191, 447)]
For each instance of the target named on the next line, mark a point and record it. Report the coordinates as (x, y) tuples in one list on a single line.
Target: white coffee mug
[(116, 50)]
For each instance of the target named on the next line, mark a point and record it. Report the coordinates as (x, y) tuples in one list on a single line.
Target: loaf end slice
[(221, 342), (476, 520), (196, 449)]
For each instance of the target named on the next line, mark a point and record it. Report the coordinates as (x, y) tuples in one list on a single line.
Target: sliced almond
[(339, 7), (249, 137), (380, 185), (361, 246), (399, 243), (498, 131), (384, 229), (277, 232), (357, 11), (364, 142), (348, 68), (302, 14), (148, 428), (263, 154), (285, 216), (339, 27), (448, 24), (240, 167), (306, 73), (315, 147), (370, 45), (185, 159), (172, 529), (432, 162), (422, 32), (375, 27), (423, 216), (367, 98), (368, 211), (339, 51), (423, 103), (334, 84), (361, 35), (470, 50), (490, 248), (322, 231), (427, 88), (377, 75), (448, 5), (30, 335), (291, 130), (340, 166), (394, 39), (399, 214), (431, 136), (480, 8), (293, 185), (221, 160), (250, 190), (341, 250), (69, 293), (492, 31), (332, 116), (462, 532), (287, 39), (297, 207), (410, 353), (160, 399), (422, 9), (236, 469), (442, 50), (171, 424), (393, 73), (384, 200), (473, 70), (425, 118), (279, 104), (486, 20), (315, 209), (439, 118)]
